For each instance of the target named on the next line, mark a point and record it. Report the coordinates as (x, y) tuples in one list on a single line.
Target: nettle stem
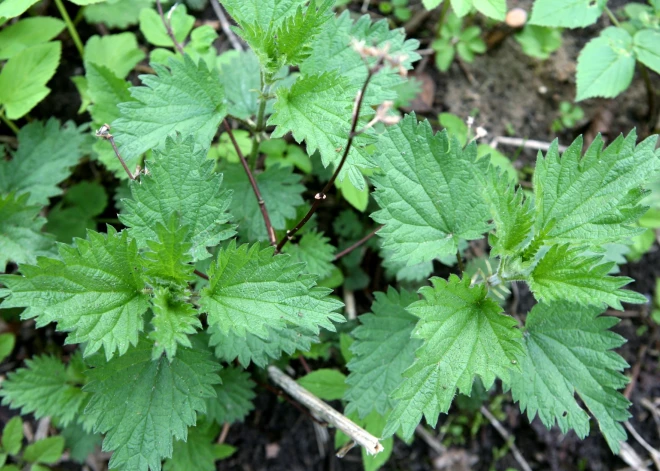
[(71, 27), (10, 124), (104, 133), (348, 250), (168, 27), (322, 195)]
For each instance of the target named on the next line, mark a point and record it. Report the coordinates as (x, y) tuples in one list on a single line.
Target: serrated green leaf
[(398, 269), (197, 452), (565, 274), (142, 404), (168, 262), (464, 334), (593, 199), (28, 32), (154, 30), (495, 9), (173, 321), (566, 13), (606, 65), (315, 251), (324, 383), (568, 351), (281, 190), (250, 289), (428, 192), (180, 182), (46, 451), (233, 401), (94, 292), (13, 8), (43, 159), (248, 348), (12, 435), (186, 99), (43, 389), (106, 91), (646, 48), (79, 442), (21, 239), (7, 342), (116, 13), (118, 52), (261, 12), (23, 78)]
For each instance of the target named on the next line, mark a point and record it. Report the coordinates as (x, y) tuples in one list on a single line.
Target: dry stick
[(655, 454), (357, 244), (262, 204), (224, 432), (528, 143), (321, 196), (224, 24), (104, 133), (201, 275), (506, 436), (168, 28), (327, 413)]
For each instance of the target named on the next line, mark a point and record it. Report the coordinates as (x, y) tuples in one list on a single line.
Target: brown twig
[(322, 195), (641, 355), (104, 133), (348, 250), (224, 432), (262, 204), (224, 24), (201, 275), (168, 28), (507, 437)]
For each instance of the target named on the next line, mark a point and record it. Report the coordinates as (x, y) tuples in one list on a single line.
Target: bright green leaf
[(47, 451), (539, 41), (431, 4), (647, 48), (358, 198), (7, 342), (495, 9), (154, 30), (461, 7), (106, 91), (28, 32), (13, 8), (324, 383), (168, 262), (566, 13), (173, 321), (116, 13), (12, 435), (118, 52)]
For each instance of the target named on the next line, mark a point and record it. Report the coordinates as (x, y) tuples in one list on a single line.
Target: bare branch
[(506, 436), (358, 243), (168, 27), (104, 133), (224, 24)]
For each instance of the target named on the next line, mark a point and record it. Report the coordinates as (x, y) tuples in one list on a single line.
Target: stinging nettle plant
[(207, 270)]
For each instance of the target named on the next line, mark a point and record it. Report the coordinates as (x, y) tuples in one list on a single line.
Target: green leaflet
[(566, 13), (164, 401), (181, 182), (116, 13), (168, 262), (464, 334), (28, 32), (233, 401), (94, 292), (568, 351), (315, 251), (173, 321), (428, 192), (250, 289), (118, 52), (382, 351), (186, 99)]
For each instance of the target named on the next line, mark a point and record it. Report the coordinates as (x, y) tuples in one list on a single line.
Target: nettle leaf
[(106, 91), (45, 154), (261, 12), (28, 32), (174, 319), (169, 260), (23, 78), (233, 401), (21, 239), (564, 273), (566, 13), (187, 99), (606, 65), (281, 190), (428, 191), (94, 292), (513, 216), (249, 348), (154, 30), (118, 52), (382, 351), (197, 452), (592, 199), (116, 13), (44, 388), (646, 48), (180, 182), (464, 334), (164, 401), (569, 350), (240, 77), (250, 289), (315, 251)]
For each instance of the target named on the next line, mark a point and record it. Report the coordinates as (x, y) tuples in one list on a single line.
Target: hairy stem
[(10, 124), (104, 133), (459, 260), (255, 187), (70, 26), (613, 19), (348, 250), (168, 28), (322, 195)]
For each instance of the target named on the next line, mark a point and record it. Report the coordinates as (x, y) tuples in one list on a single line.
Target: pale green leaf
[(13, 8), (173, 321), (431, 4), (12, 435), (647, 48), (461, 7), (46, 451), (539, 41), (606, 65), (116, 13), (315, 251), (23, 78), (464, 334), (250, 289), (7, 342), (106, 91), (239, 74), (44, 388), (495, 9), (428, 192), (45, 154), (565, 274), (28, 32), (568, 351), (186, 99), (324, 383), (233, 401), (94, 292), (566, 13), (180, 181), (382, 351), (154, 30), (356, 197), (164, 401), (118, 52)]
